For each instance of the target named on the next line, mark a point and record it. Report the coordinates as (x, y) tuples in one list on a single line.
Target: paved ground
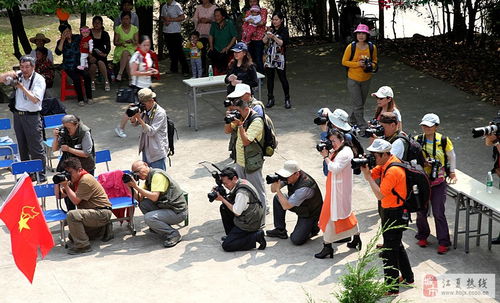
[(139, 268)]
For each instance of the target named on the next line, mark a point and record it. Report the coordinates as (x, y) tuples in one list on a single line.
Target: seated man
[(93, 213), (241, 213), (161, 200), (304, 198)]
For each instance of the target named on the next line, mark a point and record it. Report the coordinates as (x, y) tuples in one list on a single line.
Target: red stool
[(68, 90), (154, 57)]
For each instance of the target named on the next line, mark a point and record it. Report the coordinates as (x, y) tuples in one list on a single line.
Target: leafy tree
[(16, 23)]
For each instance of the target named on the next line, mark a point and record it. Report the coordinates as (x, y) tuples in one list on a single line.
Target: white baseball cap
[(430, 120), (380, 146), (239, 90), (289, 168), (340, 119), (384, 92)]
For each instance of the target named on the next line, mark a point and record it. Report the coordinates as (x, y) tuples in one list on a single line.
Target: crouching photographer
[(241, 212), (161, 200), (74, 140), (91, 219), (392, 186)]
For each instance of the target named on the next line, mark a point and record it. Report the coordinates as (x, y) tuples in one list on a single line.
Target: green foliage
[(7, 4)]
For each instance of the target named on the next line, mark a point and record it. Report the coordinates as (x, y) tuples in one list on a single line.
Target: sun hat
[(239, 90), (289, 168), (145, 94), (380, 146), (39, 36), (340, 119), (430, 120), (384, 92), (362, 28)]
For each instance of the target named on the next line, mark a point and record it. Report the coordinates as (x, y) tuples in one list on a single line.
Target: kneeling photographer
[(392, 186), (241, 212), (161, 200), (153, 142), (92, 217), (74, 140), (303, 198)]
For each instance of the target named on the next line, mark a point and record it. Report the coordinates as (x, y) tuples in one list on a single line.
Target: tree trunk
[(235, 6), (319, 15), (444, 19), (381, 23), (459, 28), (394, 21), (145, 14), (448, 17), (334, 15), (18, 32), (472, 11), (161, 42), (83, 19)]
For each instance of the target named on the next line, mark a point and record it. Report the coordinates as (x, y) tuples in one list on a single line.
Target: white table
[(194, 89), (471, 196)]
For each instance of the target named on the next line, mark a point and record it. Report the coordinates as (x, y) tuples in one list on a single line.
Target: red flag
[(28, 230)]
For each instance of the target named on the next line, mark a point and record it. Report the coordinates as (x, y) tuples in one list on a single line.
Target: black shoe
[(172, 241), (356, 242), (496, 241), (261, 240), (223, 238), (288, 105), (277, 233), (343, 240), (43, 179), (270, 102), (78, 251), (325, 252), (108, 233)]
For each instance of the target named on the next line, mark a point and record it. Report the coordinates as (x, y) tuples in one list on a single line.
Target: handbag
[(126, 95)]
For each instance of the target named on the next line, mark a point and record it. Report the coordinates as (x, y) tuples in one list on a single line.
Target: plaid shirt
[(261, 30)]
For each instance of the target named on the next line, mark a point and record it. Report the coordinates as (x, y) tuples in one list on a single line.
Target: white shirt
[(49, 55), (398, 148), (24, 104), (173, 10), (141, 81), (240, 202)]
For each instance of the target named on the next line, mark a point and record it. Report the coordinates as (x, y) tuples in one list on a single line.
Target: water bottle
[(405, 216), (415, 190), (489, 183), (210, 72)]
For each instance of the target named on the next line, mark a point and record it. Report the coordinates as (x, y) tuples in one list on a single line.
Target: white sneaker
[(120, 133)]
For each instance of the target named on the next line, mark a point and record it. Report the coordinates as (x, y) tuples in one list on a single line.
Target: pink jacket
[(113, 185)]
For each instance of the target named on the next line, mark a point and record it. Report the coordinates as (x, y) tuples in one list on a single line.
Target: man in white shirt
[(241, 213), (29, 92), (172, 16)]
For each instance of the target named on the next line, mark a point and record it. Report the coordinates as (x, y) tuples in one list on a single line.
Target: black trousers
[(283, 80), (220, 61), (302, 231), (237, 239), (28, 129), (395, 257), (75, 75), (256, 50), (204, 51), (176, 52)]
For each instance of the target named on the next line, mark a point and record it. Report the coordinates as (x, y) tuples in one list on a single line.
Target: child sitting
[(251, 23), (86, 46), (195, 47)]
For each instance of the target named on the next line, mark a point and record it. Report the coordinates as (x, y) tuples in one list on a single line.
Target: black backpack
[(418, 187), (413, 150), (353, 51), (171, 131)]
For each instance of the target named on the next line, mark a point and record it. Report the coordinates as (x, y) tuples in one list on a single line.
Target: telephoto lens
[(327, 144), (367, 160), (131, 111), (272, 178), (320, 120), (61, 177)]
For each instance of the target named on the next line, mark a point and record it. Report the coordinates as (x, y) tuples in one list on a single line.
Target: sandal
[(106, 86), (92, 85), (119, 77)]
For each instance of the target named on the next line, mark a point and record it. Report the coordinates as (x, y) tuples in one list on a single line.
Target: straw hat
[(39, 36)]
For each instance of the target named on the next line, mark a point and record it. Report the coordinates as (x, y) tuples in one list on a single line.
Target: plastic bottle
[(406, 216), (210, 72), (489, 183)]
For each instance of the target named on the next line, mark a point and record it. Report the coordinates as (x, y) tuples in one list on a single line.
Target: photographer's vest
[(234, 133), (254, 156), (251, 218), (309, 208), (173, 198), (75, 142)]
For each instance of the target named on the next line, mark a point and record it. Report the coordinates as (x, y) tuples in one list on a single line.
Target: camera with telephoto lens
[(435, 166), (231, 116), (273, 178), (368, 65), (61, 177), (374, 129), (493, 128), (324, 144), (135, 109), (126, 178), (362, 161), (219, 189)]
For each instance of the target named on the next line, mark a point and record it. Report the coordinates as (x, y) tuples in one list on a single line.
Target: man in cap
[(440, 163), (392, 180), (393, 135), (303, 198), (153, 142)]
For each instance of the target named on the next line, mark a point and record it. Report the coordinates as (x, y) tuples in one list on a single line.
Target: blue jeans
[(156, 164), (196, 68)]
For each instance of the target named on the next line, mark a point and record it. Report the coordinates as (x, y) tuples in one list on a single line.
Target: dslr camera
[(227, 103), (273, 178), (369, 160), (435, 166), (368, 65), (324, 144), (13, 81), (219, 189), (320, 119), (126, 178), (374, 129), (493, 128), (135, 109), (61, 177), (231, 116)]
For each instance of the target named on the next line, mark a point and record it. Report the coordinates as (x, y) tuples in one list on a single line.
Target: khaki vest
[(173, 198), (250, 219)]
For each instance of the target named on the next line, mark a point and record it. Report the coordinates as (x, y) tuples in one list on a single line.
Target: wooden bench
[(471, 196)]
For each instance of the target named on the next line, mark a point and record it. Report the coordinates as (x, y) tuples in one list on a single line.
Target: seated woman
[(99, 56), (69, 47), (40, 40), (44, 66), (126, 38)]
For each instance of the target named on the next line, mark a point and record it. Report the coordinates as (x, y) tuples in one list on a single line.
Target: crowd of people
[(244, 205)]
